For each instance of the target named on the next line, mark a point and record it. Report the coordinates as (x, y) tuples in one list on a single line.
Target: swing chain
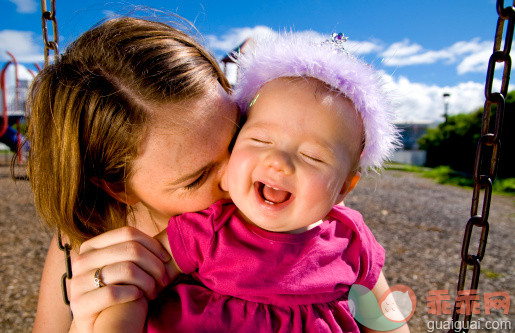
[(54, 46), (488, 150), (66, 248), (47, 16)]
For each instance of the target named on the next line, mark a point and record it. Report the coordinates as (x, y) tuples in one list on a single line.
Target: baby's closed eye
[(258, 140), (312, 158)]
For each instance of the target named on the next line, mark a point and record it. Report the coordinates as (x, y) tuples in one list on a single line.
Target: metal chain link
[(45, 18), (66, 248), (487, 156), (53, 45)]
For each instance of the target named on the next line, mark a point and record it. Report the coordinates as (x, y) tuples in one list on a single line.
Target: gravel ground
[(419, 223)]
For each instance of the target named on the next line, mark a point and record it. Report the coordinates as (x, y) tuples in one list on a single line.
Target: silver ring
[(98, 280)]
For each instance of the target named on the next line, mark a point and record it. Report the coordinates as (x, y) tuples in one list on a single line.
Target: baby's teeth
[(269, 202)]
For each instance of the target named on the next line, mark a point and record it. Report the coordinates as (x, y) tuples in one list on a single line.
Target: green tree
[(454, 142)]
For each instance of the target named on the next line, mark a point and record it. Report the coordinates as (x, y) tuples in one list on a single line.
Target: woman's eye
[(197, 182)]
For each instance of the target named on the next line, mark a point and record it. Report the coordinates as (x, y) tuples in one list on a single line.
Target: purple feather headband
[(288, 55)]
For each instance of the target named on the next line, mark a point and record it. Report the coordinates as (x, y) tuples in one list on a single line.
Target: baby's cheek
[(324, 180), (328, 187), (238, 170)]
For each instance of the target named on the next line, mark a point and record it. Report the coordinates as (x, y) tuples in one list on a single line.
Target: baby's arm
[(131, 316), (379, 289), (171, 267)]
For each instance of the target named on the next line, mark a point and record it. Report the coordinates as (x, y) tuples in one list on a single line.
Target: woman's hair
[(88, 113)]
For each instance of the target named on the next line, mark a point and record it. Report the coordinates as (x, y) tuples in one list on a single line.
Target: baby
[(282, 256)]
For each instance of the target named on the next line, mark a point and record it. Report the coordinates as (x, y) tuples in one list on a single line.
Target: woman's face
[(183, 155)]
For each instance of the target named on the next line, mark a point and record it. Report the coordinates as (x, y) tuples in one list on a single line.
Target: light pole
[(446, 105)]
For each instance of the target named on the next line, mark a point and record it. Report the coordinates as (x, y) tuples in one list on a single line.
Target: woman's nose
[(280, 161)]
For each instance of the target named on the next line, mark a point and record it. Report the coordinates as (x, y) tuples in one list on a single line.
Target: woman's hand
[(132, 265)]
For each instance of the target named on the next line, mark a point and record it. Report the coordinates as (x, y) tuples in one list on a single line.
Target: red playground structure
[(13, 107)]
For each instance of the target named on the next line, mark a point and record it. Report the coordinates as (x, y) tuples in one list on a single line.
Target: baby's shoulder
[(349, 219), (343, 213), (213, 217)]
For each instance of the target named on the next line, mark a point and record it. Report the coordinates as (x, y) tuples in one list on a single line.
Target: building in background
[(410, 133), (228, 64)]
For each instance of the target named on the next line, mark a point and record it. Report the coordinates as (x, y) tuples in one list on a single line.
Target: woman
[(129, 127)]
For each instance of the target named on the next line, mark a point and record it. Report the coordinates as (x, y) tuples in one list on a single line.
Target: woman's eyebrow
[(193, 174)]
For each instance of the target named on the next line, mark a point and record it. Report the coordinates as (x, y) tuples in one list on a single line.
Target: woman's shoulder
[(52, 314)]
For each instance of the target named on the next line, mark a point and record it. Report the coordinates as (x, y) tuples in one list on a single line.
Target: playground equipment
[(13, 108), (11, 138)]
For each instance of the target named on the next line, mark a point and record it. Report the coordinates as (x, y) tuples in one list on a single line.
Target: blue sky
[(422, 47)]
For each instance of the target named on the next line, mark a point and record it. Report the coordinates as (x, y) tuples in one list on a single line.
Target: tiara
[(336, 42)]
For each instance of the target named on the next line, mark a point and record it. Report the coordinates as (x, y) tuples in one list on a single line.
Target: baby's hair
[(289, 55), (88, 113)]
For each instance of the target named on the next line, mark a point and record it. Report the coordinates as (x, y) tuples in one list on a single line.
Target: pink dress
[(246, 279)]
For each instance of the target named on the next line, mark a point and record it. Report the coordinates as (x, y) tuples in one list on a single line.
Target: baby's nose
[(280, 161)]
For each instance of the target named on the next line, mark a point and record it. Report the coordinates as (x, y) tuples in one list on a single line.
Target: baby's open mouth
[(272, 195)]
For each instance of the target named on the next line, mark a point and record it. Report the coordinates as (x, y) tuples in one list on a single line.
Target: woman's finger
[(88, 305), (122, 273), (130, 251), (122, 235)]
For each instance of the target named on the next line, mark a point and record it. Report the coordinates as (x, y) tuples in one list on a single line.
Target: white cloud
[(476, 62), (429, 57), (22, 44), (406, 53), (402, 49), (471, 56), (415, 102), (364, 47), (235, 37), (475, 55), (473, 46), (25, 6)]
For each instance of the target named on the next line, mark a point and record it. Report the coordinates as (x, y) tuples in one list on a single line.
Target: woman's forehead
[(185, 135), (191, 113)]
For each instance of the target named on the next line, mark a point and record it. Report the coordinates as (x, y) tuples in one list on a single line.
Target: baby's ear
[(120, 193), (349, 184), (223, 182)]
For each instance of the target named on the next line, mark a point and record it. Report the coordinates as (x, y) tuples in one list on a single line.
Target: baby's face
[(294, 157)]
